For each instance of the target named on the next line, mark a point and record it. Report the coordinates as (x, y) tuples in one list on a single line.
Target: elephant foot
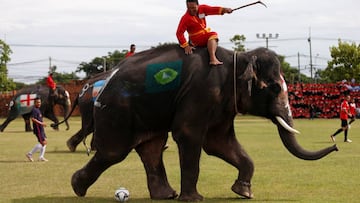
[(242, 188), (55, 128), (162, 195), (79, 184), (193, 197), (71, 145)]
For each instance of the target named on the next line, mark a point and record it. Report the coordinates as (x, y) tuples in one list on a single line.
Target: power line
[(27, 62), (124, 47), (65, 46)]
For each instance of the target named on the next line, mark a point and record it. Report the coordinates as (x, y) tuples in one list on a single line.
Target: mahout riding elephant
[(161, 90), (23, 101), (85, 101)]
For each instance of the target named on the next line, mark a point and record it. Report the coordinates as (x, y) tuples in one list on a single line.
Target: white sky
[(115, 24)]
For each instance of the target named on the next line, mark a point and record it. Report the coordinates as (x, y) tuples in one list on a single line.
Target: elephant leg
[(75, 140), (6, 123), (92, 143), (189, 154), (27, 123), (85, 177), (67, 125), (151, 153), (223, 144), (87, 127)]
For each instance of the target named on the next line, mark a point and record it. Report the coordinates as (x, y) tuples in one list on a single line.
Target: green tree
[(291, 74), (238, 40), (6, 83), (98, 64), (59, 77), (345, 63)]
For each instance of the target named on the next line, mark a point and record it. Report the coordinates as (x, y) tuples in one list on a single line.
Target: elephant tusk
[(286, 126)]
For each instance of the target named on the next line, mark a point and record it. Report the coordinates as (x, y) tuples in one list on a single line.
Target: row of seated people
[(321, 100)]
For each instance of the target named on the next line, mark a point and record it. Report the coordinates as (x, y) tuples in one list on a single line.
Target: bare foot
[(215, 63)]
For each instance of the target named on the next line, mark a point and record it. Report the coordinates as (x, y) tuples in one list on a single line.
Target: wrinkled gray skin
[(85, 102), (47, 109), (199, 114)]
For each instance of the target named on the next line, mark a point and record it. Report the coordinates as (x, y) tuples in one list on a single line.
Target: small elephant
[(23, 101)]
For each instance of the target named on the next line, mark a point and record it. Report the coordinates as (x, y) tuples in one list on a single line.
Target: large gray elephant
[(23, 101), (162, 90), (85, 101)]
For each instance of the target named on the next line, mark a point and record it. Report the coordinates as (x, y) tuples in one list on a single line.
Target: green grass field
[(279, 176)]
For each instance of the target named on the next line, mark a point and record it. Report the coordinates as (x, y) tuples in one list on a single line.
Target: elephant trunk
[(291, 144)]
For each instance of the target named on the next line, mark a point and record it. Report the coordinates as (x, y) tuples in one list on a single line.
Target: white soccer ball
[(122, 194)]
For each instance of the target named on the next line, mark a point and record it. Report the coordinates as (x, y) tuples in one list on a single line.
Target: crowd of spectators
[(320, 100)]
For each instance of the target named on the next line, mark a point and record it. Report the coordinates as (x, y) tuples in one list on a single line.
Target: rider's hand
[(188, 50)]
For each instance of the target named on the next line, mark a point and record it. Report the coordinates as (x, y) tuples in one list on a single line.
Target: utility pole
[(50, 68), (267, 37), (298, 56), (104, 59), (311, 65), (1, 50)]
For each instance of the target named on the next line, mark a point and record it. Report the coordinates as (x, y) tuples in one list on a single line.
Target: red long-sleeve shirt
[(195, 25), (50, 82)]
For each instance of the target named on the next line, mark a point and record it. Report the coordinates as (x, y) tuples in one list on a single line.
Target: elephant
[(85, 102), (23, 101), (163, 90)]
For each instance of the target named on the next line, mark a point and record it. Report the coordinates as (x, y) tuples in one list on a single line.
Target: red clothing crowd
[(323, 99)]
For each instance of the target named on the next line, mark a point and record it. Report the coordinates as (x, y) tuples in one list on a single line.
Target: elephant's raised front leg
[(85, 177), (222, 143), (151, 153)]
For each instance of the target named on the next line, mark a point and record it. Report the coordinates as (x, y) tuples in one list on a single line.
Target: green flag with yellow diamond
[(161, 77)]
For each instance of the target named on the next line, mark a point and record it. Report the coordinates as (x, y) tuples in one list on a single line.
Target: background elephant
[(85, 101), (162, 89), (22, 103)]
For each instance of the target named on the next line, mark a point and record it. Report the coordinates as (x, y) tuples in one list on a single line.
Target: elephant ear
[(249, 74)]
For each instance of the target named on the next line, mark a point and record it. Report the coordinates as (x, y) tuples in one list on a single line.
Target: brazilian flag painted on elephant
[(162, 77)]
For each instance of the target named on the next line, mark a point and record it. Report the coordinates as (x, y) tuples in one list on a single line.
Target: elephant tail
[(76, 102)]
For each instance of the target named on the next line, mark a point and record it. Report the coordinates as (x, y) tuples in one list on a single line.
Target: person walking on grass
[(344, 116), (38, 129), (352, 105)]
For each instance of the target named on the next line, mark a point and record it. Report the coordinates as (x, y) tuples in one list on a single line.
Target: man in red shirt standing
[(194, 22), (352, 105), (344, 115)]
